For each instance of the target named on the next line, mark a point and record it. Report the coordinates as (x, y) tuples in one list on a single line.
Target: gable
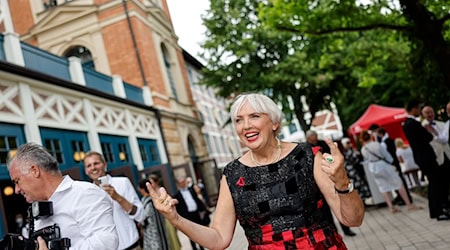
[(60, 16)]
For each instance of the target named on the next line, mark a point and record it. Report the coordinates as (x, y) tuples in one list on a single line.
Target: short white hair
[(345, 140), (261, 104)]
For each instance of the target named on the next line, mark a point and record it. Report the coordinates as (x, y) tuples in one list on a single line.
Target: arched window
[(168, 68), (83, 53)]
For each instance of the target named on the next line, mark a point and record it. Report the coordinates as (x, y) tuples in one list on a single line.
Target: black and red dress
[(279, 205)]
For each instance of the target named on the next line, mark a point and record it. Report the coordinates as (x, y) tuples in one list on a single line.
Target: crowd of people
[(285, 195)]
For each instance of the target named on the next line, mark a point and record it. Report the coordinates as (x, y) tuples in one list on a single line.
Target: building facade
[(221, 138), (104, 75)]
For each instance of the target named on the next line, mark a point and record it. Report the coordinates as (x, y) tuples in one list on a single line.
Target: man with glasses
[(82, 211)]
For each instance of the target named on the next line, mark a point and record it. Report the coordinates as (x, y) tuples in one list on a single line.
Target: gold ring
[(161, 200), (166, 203)]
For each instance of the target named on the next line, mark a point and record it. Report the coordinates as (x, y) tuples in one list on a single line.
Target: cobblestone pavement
[(382, 230)]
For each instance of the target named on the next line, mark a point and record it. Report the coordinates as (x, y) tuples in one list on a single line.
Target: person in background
[(419, 140), (408, 166), (354, 168), (20, 224), (189, 205), (127, 207), (380, 165), (313, 140), (81, 210), (442, 151), (446, 132), (171, 231), (154, 231), (276, 189), (389, 145), (202, 187)]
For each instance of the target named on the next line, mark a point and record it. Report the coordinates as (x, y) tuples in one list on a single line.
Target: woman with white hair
[(276, 189)]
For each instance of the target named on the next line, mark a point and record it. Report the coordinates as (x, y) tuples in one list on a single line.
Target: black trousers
[(438, 188)]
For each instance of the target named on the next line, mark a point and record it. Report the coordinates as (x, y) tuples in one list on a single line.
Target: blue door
[(68, 147), (11, 136), (149, 152), (116, 151)]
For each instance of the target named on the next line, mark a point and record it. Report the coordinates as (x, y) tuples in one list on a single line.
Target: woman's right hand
[(164, 203)]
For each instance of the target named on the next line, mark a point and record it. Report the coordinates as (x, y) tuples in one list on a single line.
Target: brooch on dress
[(240, 182)]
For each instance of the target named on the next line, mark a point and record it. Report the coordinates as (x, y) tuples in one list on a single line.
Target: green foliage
[(326, 51)]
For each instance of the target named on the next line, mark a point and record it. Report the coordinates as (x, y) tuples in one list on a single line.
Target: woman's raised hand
[(333, 165), (164, 203)]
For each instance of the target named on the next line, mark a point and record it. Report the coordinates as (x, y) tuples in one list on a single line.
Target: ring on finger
[(167, 203), (329, 159), (161, 200)]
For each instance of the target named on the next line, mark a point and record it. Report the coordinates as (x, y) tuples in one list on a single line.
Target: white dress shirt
[(84, 214), (190, 202), (125, 223), (440, 141)]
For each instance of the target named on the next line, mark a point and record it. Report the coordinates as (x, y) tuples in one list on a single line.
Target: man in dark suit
[(419, 139), (384, 138), (189, 205)]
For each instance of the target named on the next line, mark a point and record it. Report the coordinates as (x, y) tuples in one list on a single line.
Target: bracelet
[(345, 191), (132, 211)]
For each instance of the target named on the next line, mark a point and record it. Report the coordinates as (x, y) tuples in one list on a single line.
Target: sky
[(186, 18)]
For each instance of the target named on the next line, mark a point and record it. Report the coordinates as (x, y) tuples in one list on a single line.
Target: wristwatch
[(345, 191)]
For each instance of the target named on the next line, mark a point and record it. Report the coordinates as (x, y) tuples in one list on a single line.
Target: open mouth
[(252, 136)]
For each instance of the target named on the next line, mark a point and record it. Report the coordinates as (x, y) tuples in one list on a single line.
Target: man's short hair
[(310, 133), (415, 103), (36, 154)]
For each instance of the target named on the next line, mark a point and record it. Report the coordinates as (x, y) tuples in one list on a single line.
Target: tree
[(316, 60), (424, 23)]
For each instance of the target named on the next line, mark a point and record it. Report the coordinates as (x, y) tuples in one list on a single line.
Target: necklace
[(277, 157)]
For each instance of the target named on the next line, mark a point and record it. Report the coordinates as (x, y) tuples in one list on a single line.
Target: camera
[(50, 234)]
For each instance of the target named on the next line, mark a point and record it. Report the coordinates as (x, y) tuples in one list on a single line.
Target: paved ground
[(383, 230)]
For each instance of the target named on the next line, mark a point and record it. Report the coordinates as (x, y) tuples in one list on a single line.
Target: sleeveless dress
[(280, 206)]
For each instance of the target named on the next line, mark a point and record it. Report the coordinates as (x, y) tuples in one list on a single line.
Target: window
[(144, 155), (123, 152), (83, 53), (149, 152), (54, 148), (78, 150), (292, 128), (107, 152), (208, 143), (8, 145), (169, 72)]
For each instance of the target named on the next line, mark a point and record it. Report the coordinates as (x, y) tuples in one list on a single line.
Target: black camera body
[(50, 234)]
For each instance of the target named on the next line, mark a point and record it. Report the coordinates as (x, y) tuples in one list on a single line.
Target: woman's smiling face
[(253, 127)]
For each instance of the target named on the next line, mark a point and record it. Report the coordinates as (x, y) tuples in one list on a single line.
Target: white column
[(5, 16), (147, 95), (11, 45), (94, 140), (133, 142), (76, 71), (12, 48), (119, 89), (31, 128)]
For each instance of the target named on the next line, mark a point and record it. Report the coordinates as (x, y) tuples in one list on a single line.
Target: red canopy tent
[(387, 117)]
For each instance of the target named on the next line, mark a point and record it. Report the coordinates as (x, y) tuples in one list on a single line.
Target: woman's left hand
[(333, 165)]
